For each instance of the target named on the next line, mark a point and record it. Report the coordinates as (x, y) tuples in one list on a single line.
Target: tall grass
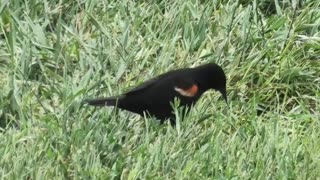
[(53, 54)]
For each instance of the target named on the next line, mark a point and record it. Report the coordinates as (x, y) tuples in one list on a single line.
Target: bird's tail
[(110, 101)]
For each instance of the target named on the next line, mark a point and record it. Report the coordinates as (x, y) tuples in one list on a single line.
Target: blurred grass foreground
[(53, 54)]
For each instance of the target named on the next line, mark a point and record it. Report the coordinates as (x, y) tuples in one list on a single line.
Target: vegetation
[(53, 54)]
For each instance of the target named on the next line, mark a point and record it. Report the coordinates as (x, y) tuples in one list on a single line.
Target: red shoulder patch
[(192, 91)]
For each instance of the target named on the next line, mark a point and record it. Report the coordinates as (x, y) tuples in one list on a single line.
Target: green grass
[(53, 54)]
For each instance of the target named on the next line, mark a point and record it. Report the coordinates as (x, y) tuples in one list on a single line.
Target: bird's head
[(213, 77)]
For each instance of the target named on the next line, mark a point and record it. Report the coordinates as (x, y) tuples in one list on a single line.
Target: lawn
[(54, 54)]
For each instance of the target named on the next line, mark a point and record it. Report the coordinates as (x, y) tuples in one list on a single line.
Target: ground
[(53, 54)]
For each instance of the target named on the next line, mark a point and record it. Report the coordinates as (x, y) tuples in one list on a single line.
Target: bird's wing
[(144, 85), (181, 83)]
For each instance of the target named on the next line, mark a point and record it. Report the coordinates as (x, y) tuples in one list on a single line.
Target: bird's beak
[(224, 94)]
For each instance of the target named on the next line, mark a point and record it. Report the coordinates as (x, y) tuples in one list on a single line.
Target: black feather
[(110, 101)]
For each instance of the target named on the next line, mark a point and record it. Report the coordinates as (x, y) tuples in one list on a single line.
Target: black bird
[(156, 95)]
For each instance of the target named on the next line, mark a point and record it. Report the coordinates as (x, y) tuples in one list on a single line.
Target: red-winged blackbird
[(156, 95)]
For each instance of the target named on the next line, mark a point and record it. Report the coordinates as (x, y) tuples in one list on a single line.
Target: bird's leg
[(172, 122)]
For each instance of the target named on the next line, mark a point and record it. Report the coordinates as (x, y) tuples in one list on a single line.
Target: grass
[(53, 54)]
